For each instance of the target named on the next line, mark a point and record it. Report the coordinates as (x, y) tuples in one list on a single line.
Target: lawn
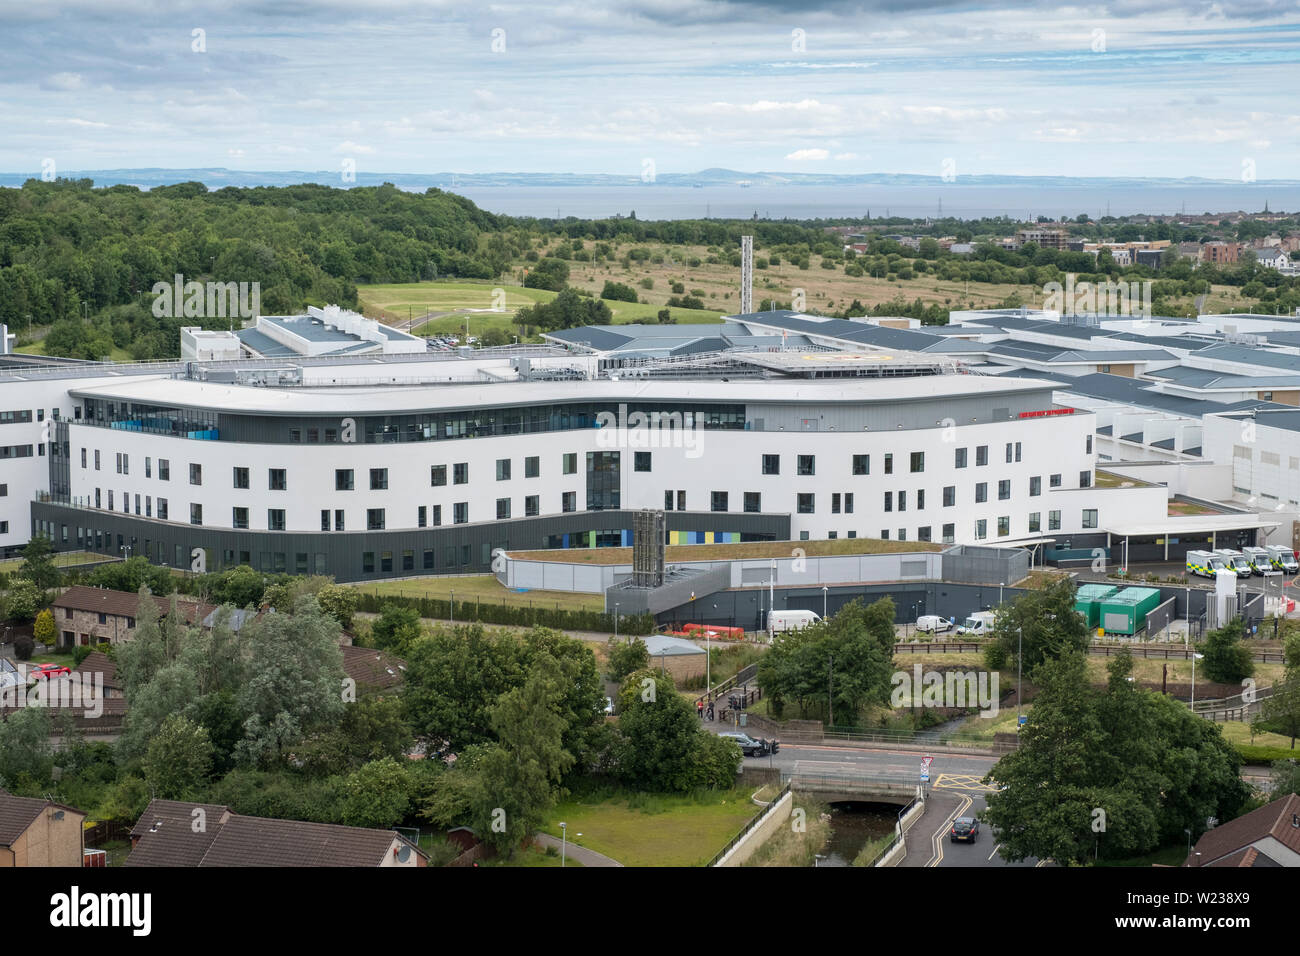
[(654, 829), (485, 588), (62, 559), (731, 552), (531, 856), (1238, 732), (1174, 855), (38, 348)]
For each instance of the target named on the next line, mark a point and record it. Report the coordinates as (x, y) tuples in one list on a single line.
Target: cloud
[(63, 81), (802, 155)]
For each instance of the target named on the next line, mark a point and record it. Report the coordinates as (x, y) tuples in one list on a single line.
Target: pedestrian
[(699, 707), (710, 711)]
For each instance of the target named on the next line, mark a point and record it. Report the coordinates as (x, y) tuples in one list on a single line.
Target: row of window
[(949, 531)]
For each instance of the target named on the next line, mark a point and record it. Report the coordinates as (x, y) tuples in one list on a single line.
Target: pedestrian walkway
[(939, 806), (574, 852)]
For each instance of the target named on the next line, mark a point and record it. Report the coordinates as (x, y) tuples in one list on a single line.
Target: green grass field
[(531, 856), (38, 348), (62, 559), (660, 830), (487, 589)]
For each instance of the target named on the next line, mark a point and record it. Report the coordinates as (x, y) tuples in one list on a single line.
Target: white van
[(979, 624), (932, 623), (779, 621)]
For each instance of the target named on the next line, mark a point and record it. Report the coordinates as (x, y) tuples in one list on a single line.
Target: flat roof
[(1191, 524), (343, 400)]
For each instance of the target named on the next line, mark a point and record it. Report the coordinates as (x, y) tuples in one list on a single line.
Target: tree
[(396, 628), (1281, 710), (26, 756), (339, 602), (377, 795), (1285, 777), (453, 678), (295, 680), (44, 630), (1043, 623), (23, 600), (131, 575), (519, 777), (179, 759), (618, 292), (1227, 659), (625, 657), (661, 746), (38, 563)]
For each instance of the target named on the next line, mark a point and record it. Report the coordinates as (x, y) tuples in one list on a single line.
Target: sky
[(931, 87)]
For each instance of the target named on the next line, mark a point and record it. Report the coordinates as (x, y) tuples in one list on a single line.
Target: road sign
[(926, 761), (1022, 720), (925, 776)]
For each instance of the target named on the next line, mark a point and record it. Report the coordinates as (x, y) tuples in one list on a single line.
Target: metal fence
[(771, 807)]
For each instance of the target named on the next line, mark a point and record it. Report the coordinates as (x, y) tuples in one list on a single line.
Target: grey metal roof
[(263, 344), (1246, 355)]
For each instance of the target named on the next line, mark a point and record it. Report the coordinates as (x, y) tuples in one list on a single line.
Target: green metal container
[(1088, 598), (1126, 612)]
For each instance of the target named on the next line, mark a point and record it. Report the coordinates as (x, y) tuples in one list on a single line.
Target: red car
[(48, 670)]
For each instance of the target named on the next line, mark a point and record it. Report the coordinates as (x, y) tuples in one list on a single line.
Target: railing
[(1165, 652), (742, 676), (899, 833), (944, 647), (771, 808)]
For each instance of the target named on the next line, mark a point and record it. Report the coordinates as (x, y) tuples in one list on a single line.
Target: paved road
[(573, 851)]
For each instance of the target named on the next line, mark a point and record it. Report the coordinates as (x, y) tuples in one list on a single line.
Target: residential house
[(1269, 836), (86, 615), (39, 832), (174, 833), (373, 670)]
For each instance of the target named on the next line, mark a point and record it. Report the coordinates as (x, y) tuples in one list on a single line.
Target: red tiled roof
[(124, 604), (1278, 820), (97, 662), (374, 669)]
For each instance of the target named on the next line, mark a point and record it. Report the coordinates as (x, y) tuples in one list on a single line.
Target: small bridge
[(834, 784)]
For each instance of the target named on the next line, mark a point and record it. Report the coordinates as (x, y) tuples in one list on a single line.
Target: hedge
[(576, 620), (1266, 755)]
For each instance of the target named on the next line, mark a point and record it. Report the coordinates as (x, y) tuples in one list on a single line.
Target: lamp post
[(825, 592), (830, 691), (564, 841), (1020, 664), (616, 620), (453, 607), (1195, 658), (771, 599)]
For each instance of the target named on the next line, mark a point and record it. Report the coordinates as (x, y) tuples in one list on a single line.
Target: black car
[(752, 747), (965, 828)]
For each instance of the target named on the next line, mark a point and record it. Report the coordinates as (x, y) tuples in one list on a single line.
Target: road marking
[(961, 781), (995, 850), (937, 841)]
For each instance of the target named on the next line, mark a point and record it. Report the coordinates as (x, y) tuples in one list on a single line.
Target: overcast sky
[(1144, 87)]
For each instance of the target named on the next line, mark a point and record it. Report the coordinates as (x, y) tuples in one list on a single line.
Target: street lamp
[(616, 620), (825, 592), (1020, 664), (1195, 658), (564, 841)]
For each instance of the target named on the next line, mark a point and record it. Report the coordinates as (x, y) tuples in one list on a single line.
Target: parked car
[(965, 828), (48, 670), (754, 748), (609, 705)]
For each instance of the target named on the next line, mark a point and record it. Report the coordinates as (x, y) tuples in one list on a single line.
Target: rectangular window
[(275, 519), (503, 509), (862, 464), (368, 562), (324, 519), (385, 561), (902, 501), (918, 462), (338, 519), (889, 463), (1004, 526), (569, 501), (532, 506), (460, 473), (571, 463), (668, 500), (1010, 447), (923, 533), (1087, 448), (981, 455), (162, 509), (771, 464), (343, 479), (428, 559), (1035, 522), (437, 475), (164, 469), (681, 499), (718, 501), (277, 479), (806, 504), (83, 458), (148, 466), (460, 512), (753, 502), (961, 458), (532, 466), (1017, 451), (889, 501), (1035, 486), (920, 499), (835, 503), (503, 469), (641, 461), (1090, 517), (241, 478), (374, 519), (981, 492), (807, 465), (1004, 489), (949, 533), (949, 495), (422, 516), (1053, 521), (408, 560), (1085, 479), (437, 515), (884, 534), (196, 513), (378, 479), (1054, 481), (97, 459), (981, 529), (119, 462), (196, 474), (240, 518)]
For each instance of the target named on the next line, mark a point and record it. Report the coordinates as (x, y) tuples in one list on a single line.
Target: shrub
[(24, 647), (44, 630)]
